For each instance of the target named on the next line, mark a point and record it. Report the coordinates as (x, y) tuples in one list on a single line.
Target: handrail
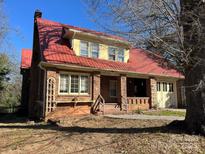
[(124, 104), (98, 105)]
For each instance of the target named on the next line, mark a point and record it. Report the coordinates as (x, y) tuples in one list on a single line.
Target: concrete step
[(112, 108)]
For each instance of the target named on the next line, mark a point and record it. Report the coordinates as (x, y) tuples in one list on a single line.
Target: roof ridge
[(50, 22)]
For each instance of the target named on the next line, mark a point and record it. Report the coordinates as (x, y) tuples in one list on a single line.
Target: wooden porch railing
[(98, 105), (138, 100)]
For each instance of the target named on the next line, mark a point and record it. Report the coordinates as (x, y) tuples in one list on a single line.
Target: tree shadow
[(12, 118), (81, 130)]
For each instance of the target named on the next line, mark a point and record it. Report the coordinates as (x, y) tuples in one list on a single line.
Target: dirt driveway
[(93, 135)]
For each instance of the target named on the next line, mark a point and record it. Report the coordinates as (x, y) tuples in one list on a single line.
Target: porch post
[(96, 85), (123, 86), (153, 92)]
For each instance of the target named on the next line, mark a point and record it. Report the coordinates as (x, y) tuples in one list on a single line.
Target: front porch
[(122, 93)]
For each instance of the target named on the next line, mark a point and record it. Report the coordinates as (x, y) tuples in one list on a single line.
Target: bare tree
[(173, 28), (3, 23), (10, 80)]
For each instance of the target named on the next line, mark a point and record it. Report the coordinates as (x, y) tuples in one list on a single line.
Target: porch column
[(96, 85), (153, 93), (122, 86)]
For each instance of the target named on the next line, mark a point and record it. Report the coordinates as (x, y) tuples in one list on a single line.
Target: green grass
[(165, 113)]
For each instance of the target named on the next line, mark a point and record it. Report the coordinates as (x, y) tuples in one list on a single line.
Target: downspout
[(44, 88)]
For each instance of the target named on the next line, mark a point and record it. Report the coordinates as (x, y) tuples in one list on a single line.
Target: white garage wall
[(166, 99)]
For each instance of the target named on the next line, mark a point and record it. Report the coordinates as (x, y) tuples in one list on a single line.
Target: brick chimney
[(37, 14)]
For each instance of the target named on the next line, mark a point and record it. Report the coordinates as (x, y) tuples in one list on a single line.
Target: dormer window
[(84, 48), (112, 53), (116, 54), (94, 50), (89, 49), (120, 55)]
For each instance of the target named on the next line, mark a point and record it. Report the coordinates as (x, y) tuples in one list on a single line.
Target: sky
[(21, 12)]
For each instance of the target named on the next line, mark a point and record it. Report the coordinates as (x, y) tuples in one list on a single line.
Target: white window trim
[(110, 88), (69, 88), (89, 48), (116, 53)]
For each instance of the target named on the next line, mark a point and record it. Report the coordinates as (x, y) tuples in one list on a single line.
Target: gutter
[(44, 88), (83, 68)]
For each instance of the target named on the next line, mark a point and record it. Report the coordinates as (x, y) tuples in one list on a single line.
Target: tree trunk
[(195, 74)]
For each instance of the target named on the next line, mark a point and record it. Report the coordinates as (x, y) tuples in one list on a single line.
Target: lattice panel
[(50, 101)]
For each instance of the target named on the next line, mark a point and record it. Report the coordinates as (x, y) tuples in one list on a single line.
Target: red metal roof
[(56, 50), (26, 57)]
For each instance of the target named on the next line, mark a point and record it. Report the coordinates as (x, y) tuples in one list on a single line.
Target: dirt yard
[(94, 135)]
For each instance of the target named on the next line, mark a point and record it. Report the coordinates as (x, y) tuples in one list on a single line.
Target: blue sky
[(20, 15)]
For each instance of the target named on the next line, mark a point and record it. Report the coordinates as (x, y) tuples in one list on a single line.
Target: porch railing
[(98, 105), (138, 100)]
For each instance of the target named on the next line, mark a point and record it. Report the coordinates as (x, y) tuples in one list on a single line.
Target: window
[(84, 48), (89, 49), (64, 81), (94, 50), (121, 55), (113, 88), (74, 84), (164, 86), (171, 87), (84, 84), (116, 54), (112, 53), (158, 86)]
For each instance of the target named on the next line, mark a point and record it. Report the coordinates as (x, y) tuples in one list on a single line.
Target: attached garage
[(166, 94)]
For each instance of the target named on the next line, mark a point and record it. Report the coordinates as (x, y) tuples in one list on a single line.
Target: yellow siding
[(103, 54), (76, 46), (103, 50), (126, 55)]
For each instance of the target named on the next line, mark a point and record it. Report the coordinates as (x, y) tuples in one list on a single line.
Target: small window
[(121, 55), (158, 86), (112, 53), (84, 48), (64, 83), (113, 88), (74, 84), (84, 84), (164, 86), (94, 50), (171, 87)]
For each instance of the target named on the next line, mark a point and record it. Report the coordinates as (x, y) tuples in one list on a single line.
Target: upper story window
[(112, 53), (94, 47), (84, 48), (89, 49), (116, 54), (121, 55)]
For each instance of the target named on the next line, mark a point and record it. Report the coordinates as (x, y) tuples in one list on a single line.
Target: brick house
[(79, 71)]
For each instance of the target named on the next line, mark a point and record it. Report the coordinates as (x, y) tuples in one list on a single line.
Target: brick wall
[(96, 85), (64, 109), (153, 92)]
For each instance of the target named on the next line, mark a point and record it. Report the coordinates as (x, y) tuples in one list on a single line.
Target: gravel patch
[(145, 117)]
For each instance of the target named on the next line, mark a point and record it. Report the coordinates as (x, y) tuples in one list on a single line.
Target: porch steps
[(111, 108)]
